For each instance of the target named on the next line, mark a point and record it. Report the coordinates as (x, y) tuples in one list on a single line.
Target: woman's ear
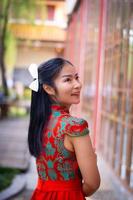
[(48, 89)]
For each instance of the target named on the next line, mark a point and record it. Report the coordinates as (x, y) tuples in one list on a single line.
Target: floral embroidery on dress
[(55, 161), (49, 150)]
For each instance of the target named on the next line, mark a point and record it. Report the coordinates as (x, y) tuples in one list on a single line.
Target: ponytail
[(39, 113)]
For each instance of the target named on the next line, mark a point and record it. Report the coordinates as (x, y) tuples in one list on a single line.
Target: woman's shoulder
[(75, 126)]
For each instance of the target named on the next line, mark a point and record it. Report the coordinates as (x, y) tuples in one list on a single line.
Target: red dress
[(59, 177)]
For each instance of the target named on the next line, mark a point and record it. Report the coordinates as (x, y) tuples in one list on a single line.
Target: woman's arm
[(87, 162)]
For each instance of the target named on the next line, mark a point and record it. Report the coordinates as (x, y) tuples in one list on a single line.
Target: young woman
[(65, 159)]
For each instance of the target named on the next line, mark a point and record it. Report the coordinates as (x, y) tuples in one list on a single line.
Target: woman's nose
[(77, 84)]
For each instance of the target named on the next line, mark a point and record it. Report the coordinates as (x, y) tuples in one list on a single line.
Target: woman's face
[(68, 86)]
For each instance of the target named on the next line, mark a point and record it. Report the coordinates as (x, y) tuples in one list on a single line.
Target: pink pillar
[(99, 72), (83, 35)]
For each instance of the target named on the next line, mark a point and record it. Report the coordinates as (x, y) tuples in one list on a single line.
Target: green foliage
[(27, 94), (18, 9), (11, 50), (24, 9), (2, 13), (2, 7), (17, 112), (6, 176), (14, 9), (1, 88)]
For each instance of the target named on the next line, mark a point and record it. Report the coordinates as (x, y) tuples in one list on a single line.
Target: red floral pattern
[(55, 161)]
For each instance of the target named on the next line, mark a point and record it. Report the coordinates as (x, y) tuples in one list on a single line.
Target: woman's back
[(57, 162)]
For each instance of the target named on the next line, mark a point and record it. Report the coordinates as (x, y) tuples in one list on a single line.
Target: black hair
[(41, 103)]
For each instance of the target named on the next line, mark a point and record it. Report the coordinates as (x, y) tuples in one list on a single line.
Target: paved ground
[(109, 189), (13, 142)]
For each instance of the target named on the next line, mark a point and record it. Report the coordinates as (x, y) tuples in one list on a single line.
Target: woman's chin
[(76, 101)]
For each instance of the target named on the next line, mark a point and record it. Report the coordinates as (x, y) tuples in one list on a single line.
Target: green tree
[(16, 9)]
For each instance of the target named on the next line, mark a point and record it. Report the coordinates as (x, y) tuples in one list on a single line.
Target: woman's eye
[(67, 80), (77, 77)]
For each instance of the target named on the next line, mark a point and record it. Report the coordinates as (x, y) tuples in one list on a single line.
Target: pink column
[(99, 74)]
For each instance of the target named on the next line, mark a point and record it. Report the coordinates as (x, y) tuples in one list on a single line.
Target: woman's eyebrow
[(69, 75)]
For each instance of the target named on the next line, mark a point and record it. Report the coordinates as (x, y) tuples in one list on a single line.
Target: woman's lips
[(75, 94)]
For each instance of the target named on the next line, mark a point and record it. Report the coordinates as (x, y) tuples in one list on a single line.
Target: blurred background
[(97, 37)]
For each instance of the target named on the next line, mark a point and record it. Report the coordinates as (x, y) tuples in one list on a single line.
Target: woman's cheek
[(66, 86)]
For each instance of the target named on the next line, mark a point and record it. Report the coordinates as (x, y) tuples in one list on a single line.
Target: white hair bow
[(33, 69)]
